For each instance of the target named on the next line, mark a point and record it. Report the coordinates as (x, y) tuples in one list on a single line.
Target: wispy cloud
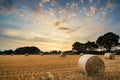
[(8, 6), (44, 1), (64, 28), (93, 10), (74, 5), (111, 5), (82, 1), (25, 16), (62, 10), (91, 1), (71, 15), (52, 12)]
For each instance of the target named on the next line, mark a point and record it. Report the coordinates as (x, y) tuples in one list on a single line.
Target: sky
[(56, 24)]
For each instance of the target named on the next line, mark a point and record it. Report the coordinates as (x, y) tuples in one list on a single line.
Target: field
[(52, 67)]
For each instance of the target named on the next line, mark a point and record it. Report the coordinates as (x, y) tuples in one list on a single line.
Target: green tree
[(108, 40)]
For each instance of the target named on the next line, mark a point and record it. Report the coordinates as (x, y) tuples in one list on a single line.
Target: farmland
[(52, 67)]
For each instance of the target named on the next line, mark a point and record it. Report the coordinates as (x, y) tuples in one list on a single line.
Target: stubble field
[(52, 67)]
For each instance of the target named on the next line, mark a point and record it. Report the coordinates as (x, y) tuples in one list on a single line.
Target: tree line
[(104, 43), (22, 50)]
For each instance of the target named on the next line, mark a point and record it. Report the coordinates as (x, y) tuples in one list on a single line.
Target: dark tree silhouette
[(55, 52), (30, 50), (91, 46), (108, 40), (7, 52), (78, 47)]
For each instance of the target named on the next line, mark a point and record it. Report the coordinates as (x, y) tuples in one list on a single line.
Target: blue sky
[(56, 24)]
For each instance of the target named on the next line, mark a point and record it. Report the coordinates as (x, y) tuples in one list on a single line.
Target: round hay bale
[(62, 55), (41, 54), (12, 54), (26, 54), (81, 54), (91, 65), (109, 56)]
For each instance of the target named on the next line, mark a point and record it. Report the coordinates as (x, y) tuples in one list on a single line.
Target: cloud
[(71, 15), (1, 40), (61, 26), (25, 16), (41, 39), (38, 12), (74, 5), (9, 5), (104, 13), (91, 1), (62, 10), (69, 30), (57, 23), (40, 5), (82, 1), (93, 10), (85, 11), (64, 28), (110, 5), (51, 12), (1, 0), (91, 13), (1, 10), (23, 35), (60, 23), (44, 1)]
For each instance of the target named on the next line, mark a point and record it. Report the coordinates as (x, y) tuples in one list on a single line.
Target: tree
[(91, 46), (55, 52), (108, 40), (7, 52), (30, 50), (78, 47)]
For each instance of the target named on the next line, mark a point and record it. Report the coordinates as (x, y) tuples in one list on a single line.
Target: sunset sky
[(56, 24)]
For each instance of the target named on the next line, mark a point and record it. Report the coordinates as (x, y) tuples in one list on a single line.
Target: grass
[(52, 67)]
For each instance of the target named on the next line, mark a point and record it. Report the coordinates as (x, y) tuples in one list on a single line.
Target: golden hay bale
[(81, 54), (41, 54), (12, 54), (62, 55), (109, 56), (26, 54), (91, 65)]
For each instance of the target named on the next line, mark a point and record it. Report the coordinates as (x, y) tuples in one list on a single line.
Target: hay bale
[(41, 54), (81, 54), (109, 56), (26, 54), (62, 55), (12, 54), (91, 65)]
